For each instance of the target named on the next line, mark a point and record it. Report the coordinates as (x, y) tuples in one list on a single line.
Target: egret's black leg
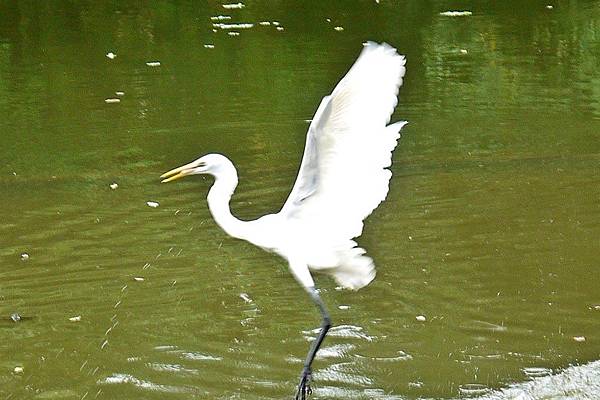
[(304, 386)]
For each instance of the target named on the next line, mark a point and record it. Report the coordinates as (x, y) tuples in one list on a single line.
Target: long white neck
[(218, 201)]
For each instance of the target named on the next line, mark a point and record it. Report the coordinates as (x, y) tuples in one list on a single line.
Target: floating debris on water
[(209, 46), (264, 23), (18, 370), (233, 33), (245, 297), (24, 256), (15, 317), (338, 28), (233, 5), (549, 7), (233, 26), (113, 185), (280, 28), (75, 319), (464, 13), (120, 93), (112, 100), (152, 204), (343, 307), (463, 51), (220, 18), (276, 23), (153, 63), (421, 318), (138, 279), (579, 338), (111, 55)]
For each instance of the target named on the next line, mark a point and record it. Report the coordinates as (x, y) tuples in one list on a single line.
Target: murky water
[(490, 231)]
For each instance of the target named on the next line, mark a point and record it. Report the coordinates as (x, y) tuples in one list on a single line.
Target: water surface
[(490, 230)]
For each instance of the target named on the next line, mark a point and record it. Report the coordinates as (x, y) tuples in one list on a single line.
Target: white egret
[(343, 177)]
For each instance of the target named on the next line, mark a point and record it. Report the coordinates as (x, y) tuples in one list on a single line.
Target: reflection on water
[(490, 230)]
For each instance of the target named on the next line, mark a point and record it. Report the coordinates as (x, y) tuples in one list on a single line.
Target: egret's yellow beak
[(179, 172)]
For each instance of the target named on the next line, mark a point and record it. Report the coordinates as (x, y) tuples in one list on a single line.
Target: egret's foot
[(304, 386)]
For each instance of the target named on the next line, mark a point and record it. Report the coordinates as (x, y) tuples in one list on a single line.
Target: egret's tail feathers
[(355, 271)]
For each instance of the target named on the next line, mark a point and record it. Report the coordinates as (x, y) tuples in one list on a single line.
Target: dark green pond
[(491, 229)]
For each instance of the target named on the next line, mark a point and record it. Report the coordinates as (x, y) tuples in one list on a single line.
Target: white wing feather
[(343, 176)]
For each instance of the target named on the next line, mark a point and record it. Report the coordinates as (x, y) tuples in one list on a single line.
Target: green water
[(491, 229)]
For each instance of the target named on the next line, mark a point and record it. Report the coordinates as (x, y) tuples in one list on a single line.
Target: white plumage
[(343, 177)]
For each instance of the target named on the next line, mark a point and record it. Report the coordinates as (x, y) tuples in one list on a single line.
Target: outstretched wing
[(343, 176)]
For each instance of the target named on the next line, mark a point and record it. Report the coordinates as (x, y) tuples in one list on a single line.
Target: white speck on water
[(111, 55), (220, 18), (464, 13), (75, 319), (138, 279), (112, 100), (276, 23), (328, 19), (233, 5), (153, 63), (113, 185), (104, 344), (280, 28), (152, 204), (463, 51), (209, 46), (233, 26), (338, 28), (549, 7), (214, 30), (245, 297), (233, 33), (18, 370), (343, 307), (120, 93), (24, 256), (579, 338), (421, 318), (264, 23)]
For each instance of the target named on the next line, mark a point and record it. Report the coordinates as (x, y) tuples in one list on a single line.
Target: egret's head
[(211, 164)]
